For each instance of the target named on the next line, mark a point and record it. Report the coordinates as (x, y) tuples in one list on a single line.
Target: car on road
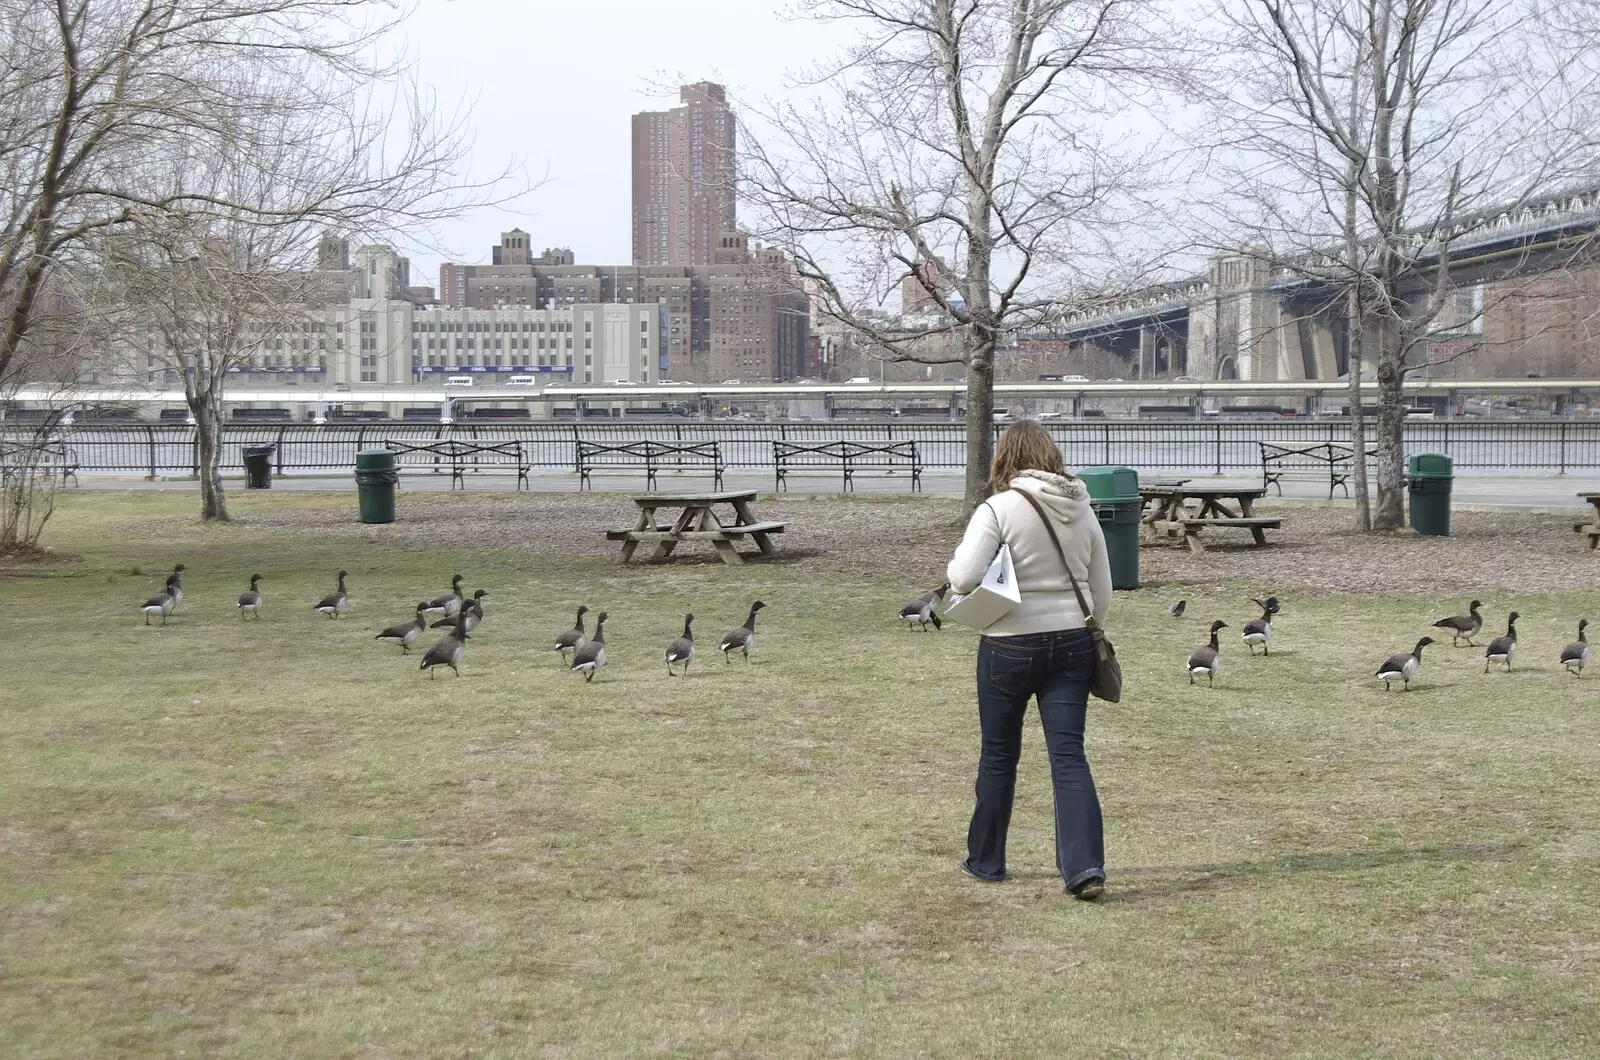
[(733, 382)]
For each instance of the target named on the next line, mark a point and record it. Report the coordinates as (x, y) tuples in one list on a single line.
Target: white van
[(458, 380), (523, 380), (858, 379)]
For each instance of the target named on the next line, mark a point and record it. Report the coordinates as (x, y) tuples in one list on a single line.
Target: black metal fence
[(1551, 446)]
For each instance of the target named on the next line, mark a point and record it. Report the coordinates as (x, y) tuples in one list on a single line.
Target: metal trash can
[(377, 472), (1429, 477), (1114, 495), (258, 467)]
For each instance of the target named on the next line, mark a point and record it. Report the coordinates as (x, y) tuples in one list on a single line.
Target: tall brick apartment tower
[(683, 176)]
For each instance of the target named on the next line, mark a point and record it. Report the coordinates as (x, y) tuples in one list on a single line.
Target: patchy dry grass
[(229, 838)]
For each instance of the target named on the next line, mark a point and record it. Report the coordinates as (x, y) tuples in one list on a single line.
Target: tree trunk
[(1391, 510), (980, 426), (207, 410), (1354, 340)]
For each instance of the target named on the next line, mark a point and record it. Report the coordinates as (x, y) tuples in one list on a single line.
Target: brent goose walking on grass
[(405, 634), (1575, 656), (1462, 627), (335, 604), (682, 649), (592, 655), (1176, 609), (742, 639), (450, 602), (1403, 667), (925, 608), (1502, 649), (163, 602), (471, 613), (1207, 660), (175, 584), (447, 652), (250, 599), (572, 638), (1259, 630)]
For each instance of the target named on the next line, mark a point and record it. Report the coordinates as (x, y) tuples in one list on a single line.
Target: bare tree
[(34, 455), (1368, 141), (95, 94), (960, 149)]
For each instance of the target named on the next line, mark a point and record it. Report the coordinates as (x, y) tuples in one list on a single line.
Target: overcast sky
[(554, 82)]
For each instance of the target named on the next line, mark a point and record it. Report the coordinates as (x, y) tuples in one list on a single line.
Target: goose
[(572, 638), (592, 654), (405, 634), (743, 638), (682, 649), (175, 584), (250, 599), (1259, 630), (1403, 667), (925, 608), (450, 602), (1270, 603), (471, 614), (1463, 627), (1176, 609), (1502, 649), (1575, 656), (336, 604), (1207, 660), (163, 602), (446, 653)]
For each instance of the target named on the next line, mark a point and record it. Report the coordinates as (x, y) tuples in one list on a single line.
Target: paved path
[(1530, 491)]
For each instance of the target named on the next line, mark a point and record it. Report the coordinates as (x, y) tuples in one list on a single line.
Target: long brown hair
[(1023, 446)]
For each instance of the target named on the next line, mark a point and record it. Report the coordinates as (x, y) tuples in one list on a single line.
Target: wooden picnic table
[(1592, 528), (1167, 508), (697, 521)]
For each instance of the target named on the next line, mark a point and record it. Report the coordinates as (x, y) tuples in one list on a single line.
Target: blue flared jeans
[(1057, 668)]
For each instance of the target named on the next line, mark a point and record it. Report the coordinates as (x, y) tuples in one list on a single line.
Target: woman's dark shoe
[(1088, 890), (966, 868)]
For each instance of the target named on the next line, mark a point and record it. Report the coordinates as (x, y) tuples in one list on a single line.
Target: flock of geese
[(1205, 661), (454, 610), (586, 654)]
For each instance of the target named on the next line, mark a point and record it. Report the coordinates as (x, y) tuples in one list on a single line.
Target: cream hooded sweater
[(1047, 599)]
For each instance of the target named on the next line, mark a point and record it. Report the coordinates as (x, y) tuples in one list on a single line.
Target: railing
[(1551, 446)]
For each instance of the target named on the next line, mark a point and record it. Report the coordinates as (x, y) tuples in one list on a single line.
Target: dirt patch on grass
[(1523, 551), (821, 534)]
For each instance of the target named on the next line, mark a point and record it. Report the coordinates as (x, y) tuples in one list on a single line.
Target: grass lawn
[(229, 838)]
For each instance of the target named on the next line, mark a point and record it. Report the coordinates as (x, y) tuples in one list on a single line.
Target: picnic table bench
[(1591, 529), (849, 457), (40, 461), (651, 457), (697, 521), (458, 457), (1167, 510), (1337, 460)]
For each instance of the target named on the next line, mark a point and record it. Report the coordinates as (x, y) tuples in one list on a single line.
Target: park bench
[(458, 457), (848, 457), (650, 457), (49, 461), (1336, 461)]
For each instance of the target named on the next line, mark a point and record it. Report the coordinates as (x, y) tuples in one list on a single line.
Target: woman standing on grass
[(1041, 648)]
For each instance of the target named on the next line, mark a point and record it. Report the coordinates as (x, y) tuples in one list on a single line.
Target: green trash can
[(1114, 495), (377, 472), (1429, 477)]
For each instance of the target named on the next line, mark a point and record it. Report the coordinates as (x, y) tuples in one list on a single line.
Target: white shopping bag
[(994, 597)]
